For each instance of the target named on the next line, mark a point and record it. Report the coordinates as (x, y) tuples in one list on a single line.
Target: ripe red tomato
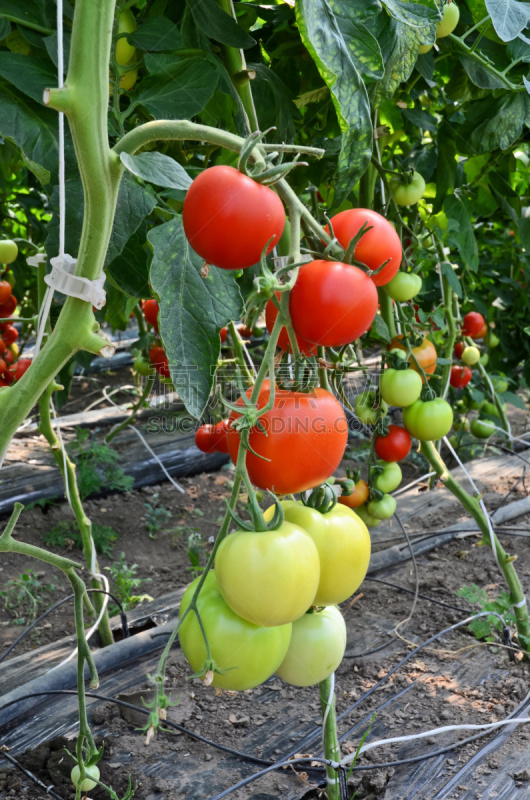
[(305, 438), (21, 367), (395, 446), (3, 346), (460, 377), (9, 334), (223, 333), (151, 309), (271, 312), (3, 366), (9, 374), (459, 349), (7, 308), (331, 303), (244, 331), (376, 246), (5, 291), (158, 358), (8, 356), (472, 324), (221, 443), (229, 218), (482, 332), (205, 439)]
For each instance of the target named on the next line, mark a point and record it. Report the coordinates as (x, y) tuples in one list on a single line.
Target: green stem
[(322, 371), (83, 522), (140, 320), (367, 187), (451, 335), (471, 504), (329, 733), (494, 396), (387, 310), (485, 63), (234, 61), (134, 412), (240, 356)]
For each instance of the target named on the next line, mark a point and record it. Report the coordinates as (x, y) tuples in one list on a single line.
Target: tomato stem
[(329, 735)]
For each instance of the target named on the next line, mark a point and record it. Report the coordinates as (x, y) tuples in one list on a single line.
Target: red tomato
[(205, 439), (9, 334), (376, 246), (395, 446), (158, 358), (3, 382), (223, 333), (3, 366), (459, 349), (9, 375), (8, 356), (151, 309), (244, 331), (3, 346), (331, 303), (5, 291), (271, 312), (472, 324), (482, 332), (304, 440), (460, 377), (219, 432), (229, 218), (7, 308), (21, 367)]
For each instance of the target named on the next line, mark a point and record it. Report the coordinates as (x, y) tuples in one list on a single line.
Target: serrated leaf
[(30, 75), (456, 209), (158, 33), (452, 278), (129, 271), (495, 122), (381, 328), (193, 309), (33, 129), (321, 35), (28, 12), (479, 75), (400, 42), (217, 24), (157, 168), (509, 17), (179, 89), (513, 399), (414, 14), (361, 43)]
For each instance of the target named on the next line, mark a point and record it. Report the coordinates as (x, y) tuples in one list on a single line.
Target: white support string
[(413, 483)]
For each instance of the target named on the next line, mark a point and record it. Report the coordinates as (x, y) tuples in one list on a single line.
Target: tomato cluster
[(269, 606), (212, 438), (11, 369)]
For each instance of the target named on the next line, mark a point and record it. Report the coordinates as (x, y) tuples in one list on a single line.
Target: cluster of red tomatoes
[(270, 604), (212, 438), (473, 326), (11, 370), (157, 354)]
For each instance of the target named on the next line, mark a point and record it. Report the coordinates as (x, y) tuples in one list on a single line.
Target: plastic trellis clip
[(62, 279), (280, 262), (38, 258)]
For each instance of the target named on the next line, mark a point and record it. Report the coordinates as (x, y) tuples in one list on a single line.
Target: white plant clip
[(62, 279), (38, 258)]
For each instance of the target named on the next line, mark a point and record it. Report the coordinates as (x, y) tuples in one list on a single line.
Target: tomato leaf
[(176, 89), (5, 27), (157, 168), (380, 327), (193, 309), (33, 129), (479, 75), (399, 43), (30, 75), (361, 43), (321, 34), (513, 399), (29, 13), (494, 123), (413, 13), (509, 17), (158, 33), (217, 24), (452, 278), (464, 237), (129, 271)]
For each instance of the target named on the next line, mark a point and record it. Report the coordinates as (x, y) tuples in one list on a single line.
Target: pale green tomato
[(449, 20), (424, 48), (484, 358), (247, 654), (343, 545), (403, 286), (268, 578), (428, 421), (400, 387), (407, 194), (124, 50), (365, 410), (317, 646), (482, 428), (390, 478), (141, 366), (87, 784), (500, 384), (369, 521), (490, 408), (471, 356), (384, 508), (490, 339), (8, 251)]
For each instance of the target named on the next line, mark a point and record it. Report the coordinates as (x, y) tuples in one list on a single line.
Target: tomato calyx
[(304, 376), (427, 393), (397, 359), (323, 498), (270, 174), (257, 523)]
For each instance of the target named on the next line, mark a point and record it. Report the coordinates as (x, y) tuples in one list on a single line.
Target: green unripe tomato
[(462, 404), (141, 366), (10, 278), (491, 340), (482, 429), (449, 20), (388, 480), (475, 405), (499, 384), (364, 408), (124, 50), (403, 286), (399, 353), (424, 48), (400, 387), (461, 424), (317, 645), (382, 509), (369, 521), (454, 441), (428, 421), (484, 358), (471, 356), (407, 194), (87, 784), (490, 408), (8, 251)]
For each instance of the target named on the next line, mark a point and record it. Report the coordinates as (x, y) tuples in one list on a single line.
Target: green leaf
[(274, 102), (524, 232), (156, 34), (446, 163), (509, 17), (444, 361), (495, 122), (425, 65), (513, 399), (452, 278), (381, 328), (421, 118), (129, 271), (30, 75), (456, 209), (361, 43), (193, 309), (26, 12), (479, 75), (179, 89), (5, 27), (415, 14), (118, 306), (157, 168), (50, 43), (517, 49), (217, 24), (400, 43), (320, 32), (33, 129)]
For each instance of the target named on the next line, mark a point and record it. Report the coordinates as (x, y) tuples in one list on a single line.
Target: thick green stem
[(234, 61), (472, 506), (387, 310), (329, 735), (240, 356), (450, 337), (367, 187)]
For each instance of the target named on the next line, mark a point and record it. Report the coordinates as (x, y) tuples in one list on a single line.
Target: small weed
[(23, 595), (125, 582), (43, 503), (66, 534), (483, 628), (97, 465), (196, 552), (155, 516)]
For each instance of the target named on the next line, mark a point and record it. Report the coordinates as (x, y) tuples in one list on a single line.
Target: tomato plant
[(8, 252), (408, 194), (473, 325), (383, 508), (389, 479), (89, 782)]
